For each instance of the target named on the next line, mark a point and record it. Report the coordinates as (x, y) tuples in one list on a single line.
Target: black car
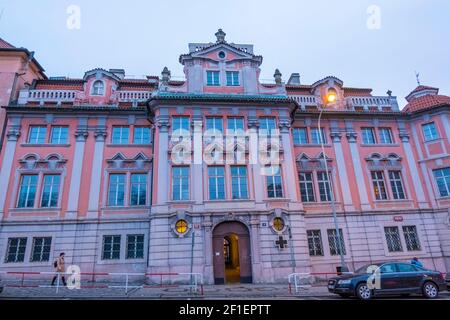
[(388, 278), (447, 280)]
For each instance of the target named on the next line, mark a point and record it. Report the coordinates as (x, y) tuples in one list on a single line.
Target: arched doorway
[(232, 256)]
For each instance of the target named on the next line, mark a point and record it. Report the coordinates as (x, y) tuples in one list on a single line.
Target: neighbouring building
[(157, 175)]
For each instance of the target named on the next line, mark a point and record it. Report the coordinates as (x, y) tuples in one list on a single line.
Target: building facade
[(219, 173)]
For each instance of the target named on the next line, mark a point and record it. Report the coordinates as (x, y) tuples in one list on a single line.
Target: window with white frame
[(180, 183), (411, 238), (333, 242), (138, 190), (111, 247), (232, 78), (379, 186), (141, 135), (239, 187), (300, 135), (120, 135), (393, 241), (40, 251), (98, 88), (235, 125), (368, 135), (59, 135), (274, 182), (216, 182), (395, 178), (50, 190), (315, 242), (37, 134), (267, 125), (15, 250), (324, 186), (116, 190), (429, 131), (213, 78), (214, 124), (27, 191), (135, 246), (180, 126), (442, 177), (307, 186), (385, 135), (318, 136)]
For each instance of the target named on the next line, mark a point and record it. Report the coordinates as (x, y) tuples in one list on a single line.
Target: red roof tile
[(5, 45), (426, 102)]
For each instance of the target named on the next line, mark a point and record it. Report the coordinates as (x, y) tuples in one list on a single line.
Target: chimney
[(294, 79)]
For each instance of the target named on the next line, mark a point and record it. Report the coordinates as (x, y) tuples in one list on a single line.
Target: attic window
[(98, 88), (221, 55)]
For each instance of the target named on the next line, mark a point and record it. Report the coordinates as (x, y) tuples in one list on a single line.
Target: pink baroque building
[(119, 174)]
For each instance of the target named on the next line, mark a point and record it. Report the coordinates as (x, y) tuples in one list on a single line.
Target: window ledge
[(393, 201), (127, 145), (443, 198), (433, 141), (380, 145), (228, 200), (63, 145), (276, 199), (312, 145), (180, 201)]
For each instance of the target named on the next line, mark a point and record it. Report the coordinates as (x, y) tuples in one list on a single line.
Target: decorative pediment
[(33, 161), (120, 161), (99, 73)]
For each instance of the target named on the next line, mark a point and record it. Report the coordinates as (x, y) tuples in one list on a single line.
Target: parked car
[(1, 286), (447, 280), (395, 278)]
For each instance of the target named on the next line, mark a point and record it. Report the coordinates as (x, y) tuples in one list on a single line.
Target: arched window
[(98, 88)]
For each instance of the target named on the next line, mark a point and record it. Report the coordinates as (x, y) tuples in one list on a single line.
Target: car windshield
[(366, 269)]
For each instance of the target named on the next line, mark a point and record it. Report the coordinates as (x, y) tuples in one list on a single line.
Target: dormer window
[(213, 78), (232, 78), (98, 88)]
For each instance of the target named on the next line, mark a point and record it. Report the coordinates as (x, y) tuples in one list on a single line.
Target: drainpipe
[(291, 247), (151, 187), (192, 255)]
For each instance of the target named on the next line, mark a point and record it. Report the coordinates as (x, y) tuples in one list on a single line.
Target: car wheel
[(430, 290), (363, 291)]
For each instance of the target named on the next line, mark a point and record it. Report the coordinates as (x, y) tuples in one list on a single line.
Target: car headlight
[(344, 281)]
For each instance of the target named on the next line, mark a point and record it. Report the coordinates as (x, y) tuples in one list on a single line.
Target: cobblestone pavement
[(241, 292)]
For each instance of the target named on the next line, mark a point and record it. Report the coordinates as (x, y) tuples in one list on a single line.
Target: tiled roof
[(5, 45), (222, 97), (420, 88), (61, 84), (426, 102)]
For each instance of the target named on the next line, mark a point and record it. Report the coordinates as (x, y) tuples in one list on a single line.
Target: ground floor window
[(333, 241), (393, 241), (16, 250), (41, 249), (411, 238), (315, 243), (135, 246), (111, 247)]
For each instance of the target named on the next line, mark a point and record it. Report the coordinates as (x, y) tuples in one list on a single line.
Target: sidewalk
[(242, 291)]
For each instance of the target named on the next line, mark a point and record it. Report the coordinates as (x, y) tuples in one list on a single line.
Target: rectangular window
[(442, 177), (27, 191), (324, 186), (180, 183), (429, 131), (315, 243), (274, 183), (15, 251), (267, 125), (214, 124), (306, 187), (395, 177), (119, 135), (216, 180), (232, 78), (316, 138), (411, 238), (135, 246), (378, 185), (213, 78), (59, 135), (239, 182), (333, 241), (37, 134), (393, 239), (235, 125), (180, 126), (385, 135), (368, 135), (141, 135), (111, 247), (40, 251), (300, 136), (116, 193), (138, 196), (50, 191)]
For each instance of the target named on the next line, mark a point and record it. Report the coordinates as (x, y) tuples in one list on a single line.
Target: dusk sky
[(314, 38)]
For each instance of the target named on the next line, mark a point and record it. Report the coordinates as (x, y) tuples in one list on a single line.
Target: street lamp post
[(330, 99)]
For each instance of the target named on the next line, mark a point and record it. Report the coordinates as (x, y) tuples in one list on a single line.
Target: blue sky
[(315, 38)]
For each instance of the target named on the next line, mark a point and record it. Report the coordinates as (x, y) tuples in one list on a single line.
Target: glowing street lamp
[(331, 98)]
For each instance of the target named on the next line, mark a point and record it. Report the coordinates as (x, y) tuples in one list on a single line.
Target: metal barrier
[(126, 281), (303, 281)]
